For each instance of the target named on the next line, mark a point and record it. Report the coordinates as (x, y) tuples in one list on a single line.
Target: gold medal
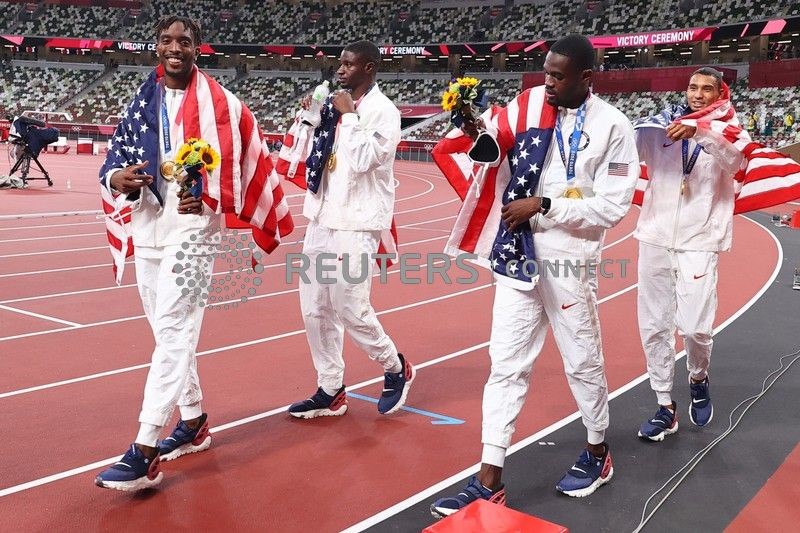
[(168, 170), (332, 161), (683, 185), (573, 193)]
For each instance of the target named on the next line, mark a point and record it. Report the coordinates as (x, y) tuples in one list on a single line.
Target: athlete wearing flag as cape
[(148, 208), (568, 175), (700, 167), (349, 180)]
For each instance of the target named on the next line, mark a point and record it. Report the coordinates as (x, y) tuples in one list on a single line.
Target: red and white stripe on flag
[(244, 184), (478, 220), (768, 178), (117, 217)]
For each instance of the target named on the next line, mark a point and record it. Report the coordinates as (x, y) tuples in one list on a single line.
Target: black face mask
[(486, 150)]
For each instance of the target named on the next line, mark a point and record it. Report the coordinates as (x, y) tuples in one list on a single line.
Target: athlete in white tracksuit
[(179, 232), (353, 206), (684, 223), (569, 220), (346, 216), (571, 231)]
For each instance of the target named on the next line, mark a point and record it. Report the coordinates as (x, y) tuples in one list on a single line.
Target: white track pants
[(175, 320), (519, 324), (676, 290), (331, 308)]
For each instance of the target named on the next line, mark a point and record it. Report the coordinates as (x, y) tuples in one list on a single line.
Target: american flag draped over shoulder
[(244, 184), (768, 177), (302, 159), (524, 132)]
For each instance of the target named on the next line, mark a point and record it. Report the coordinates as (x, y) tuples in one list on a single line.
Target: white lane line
[(65, 269), (37, 315), (106, 247), (26, 239), (430, 188), (428, 221), (427, 229), (50, 226), (427, 207), (49, 252), (48, 215)]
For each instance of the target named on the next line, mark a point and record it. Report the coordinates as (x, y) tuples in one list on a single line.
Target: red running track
[(76, 350)]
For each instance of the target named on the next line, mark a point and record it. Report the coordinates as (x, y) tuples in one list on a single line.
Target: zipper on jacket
[(677, 213)]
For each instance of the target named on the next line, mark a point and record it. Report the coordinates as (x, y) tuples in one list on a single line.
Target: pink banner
[(638, 40), (92, 44), (16, 39)]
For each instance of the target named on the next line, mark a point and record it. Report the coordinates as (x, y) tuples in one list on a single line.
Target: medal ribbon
[(574, 141), (688, 164)]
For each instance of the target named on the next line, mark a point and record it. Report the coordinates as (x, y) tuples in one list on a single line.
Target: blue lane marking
[(438, 420)]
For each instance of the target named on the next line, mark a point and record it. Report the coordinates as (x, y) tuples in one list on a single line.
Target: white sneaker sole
[(581, 493), (131, 486), (321, 412), (404, 394), (186, 449), (660, 436), (443, 513)]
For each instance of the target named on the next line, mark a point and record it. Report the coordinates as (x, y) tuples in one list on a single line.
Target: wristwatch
[(544, 206)]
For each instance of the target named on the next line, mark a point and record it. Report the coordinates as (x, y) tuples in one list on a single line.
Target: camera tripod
[(24, 158)]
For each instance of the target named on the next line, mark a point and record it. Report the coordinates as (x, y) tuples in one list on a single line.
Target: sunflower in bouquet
[(193, 156), (462, 97)]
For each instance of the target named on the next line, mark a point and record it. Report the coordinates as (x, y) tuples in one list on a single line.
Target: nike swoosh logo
[(565, 307), (698, 277), (697, 401)]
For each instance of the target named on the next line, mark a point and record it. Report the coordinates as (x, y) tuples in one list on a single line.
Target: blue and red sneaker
[(395, 388), (321, 404), (474, 490), (587, 474), (133, 472), (185, 440), (665, 422)]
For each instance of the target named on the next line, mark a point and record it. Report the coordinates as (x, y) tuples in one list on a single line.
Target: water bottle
[(311, 116)]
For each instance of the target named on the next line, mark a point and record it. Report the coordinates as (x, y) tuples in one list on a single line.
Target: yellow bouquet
[(195, 155), (196, 152), (459, 98)]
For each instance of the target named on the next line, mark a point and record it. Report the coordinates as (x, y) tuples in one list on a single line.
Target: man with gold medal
[(585, 186), (349, 201), (686, 221), (143, 172)]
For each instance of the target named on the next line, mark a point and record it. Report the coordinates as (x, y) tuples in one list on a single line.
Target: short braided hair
[(189, 24)]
